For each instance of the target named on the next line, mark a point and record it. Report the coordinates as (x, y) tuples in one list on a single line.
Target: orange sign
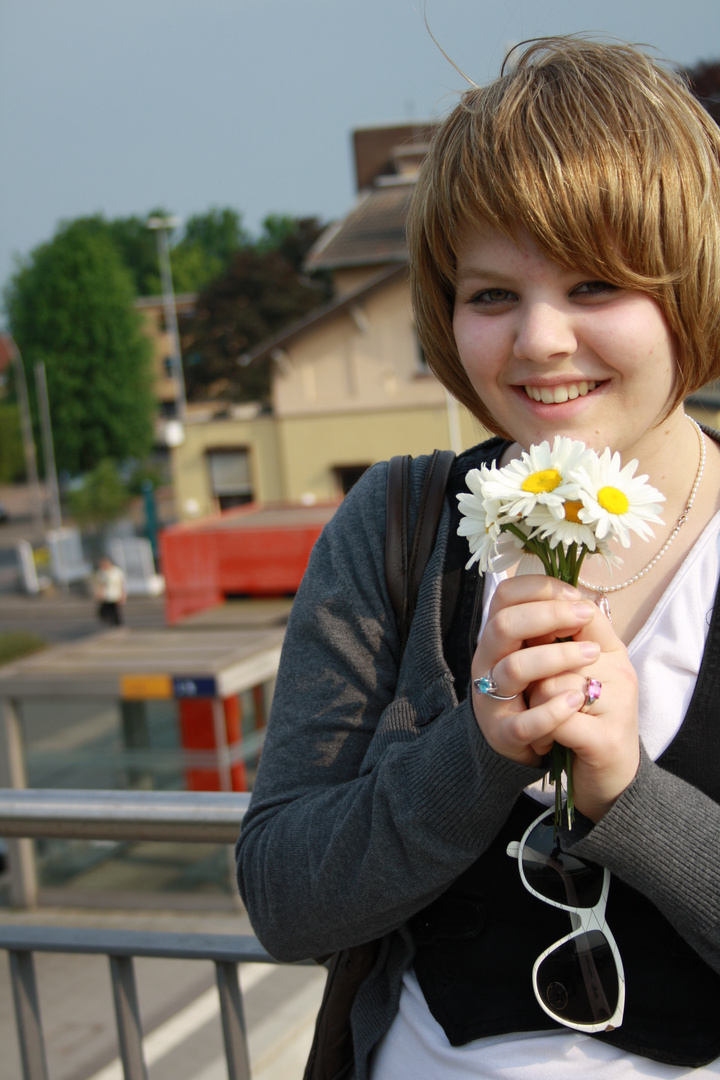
[(145, 687)]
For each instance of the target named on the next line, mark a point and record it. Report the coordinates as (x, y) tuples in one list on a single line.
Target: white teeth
[(556, 395)]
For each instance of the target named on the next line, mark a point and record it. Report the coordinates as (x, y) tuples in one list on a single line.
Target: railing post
[(27, 1016), (233, 1020), (21, 857), (127, 1015)]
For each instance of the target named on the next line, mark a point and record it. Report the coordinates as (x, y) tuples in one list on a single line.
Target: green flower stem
[(562, 563)]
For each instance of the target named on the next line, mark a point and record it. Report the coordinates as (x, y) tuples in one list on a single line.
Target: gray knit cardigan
[(376, 789)]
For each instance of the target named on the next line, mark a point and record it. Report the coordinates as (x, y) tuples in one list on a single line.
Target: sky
[(120, 106)]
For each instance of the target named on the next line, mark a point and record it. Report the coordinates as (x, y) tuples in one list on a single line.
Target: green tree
[(704, 81), (290, 237), (206, 249), (200, 251), (136, 246), (219, 233), (261, 293), (102, 498), (71, 306)]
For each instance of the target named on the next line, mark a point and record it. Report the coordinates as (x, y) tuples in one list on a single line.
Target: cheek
[(476, 342)]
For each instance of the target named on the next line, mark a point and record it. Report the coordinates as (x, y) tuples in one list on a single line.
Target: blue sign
[(187, 686)]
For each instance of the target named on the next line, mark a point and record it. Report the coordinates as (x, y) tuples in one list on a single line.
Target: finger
[(554, 667), (529, 587), (519, 734), (510, 627)]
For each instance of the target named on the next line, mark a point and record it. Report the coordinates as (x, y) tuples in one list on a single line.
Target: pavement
[(178, 1004)]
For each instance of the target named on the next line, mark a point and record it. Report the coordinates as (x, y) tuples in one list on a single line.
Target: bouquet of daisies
[(547, 511)]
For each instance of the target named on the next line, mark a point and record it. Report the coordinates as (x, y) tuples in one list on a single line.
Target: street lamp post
[(162, 226), (26, 432)]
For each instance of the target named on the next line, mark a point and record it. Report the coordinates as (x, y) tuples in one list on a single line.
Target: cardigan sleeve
[(661, 837), (376, 788)]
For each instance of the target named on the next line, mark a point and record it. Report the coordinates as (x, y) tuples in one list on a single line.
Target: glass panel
[(91, 743)]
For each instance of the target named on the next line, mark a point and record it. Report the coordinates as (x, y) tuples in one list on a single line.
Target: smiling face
[(552, 351)]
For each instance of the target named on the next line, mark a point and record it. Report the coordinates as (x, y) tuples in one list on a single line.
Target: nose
[(544, 332)]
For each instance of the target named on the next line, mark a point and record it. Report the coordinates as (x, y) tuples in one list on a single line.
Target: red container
[(251, 551)]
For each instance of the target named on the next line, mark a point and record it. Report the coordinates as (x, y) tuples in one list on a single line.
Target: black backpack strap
[(332, 1049), (404, 563)]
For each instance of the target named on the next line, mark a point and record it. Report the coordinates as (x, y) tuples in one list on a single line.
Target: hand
[(521, 642)]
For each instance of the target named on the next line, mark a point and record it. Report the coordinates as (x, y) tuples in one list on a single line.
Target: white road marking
[(185, 1023)]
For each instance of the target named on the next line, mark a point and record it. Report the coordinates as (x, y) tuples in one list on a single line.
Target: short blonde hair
[(605, 158)]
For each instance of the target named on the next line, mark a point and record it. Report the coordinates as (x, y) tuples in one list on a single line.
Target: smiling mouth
[(556, 395)]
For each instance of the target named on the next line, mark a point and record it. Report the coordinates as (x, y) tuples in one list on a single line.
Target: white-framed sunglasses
[(579, 981)]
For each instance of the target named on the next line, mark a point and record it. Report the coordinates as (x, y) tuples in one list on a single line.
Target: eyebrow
[(483, 272)]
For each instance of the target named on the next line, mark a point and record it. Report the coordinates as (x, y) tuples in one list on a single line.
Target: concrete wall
[(365, 359), (311, 447), (191, 474)]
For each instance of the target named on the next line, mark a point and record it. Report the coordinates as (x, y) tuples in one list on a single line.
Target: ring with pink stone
[(593, 689)]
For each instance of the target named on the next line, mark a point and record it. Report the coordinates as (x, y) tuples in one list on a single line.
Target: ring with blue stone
[(487, 685)]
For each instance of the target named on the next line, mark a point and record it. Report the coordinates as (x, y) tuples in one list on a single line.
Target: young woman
[(565, 261)]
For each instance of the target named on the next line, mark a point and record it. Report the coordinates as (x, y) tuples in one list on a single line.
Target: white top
[(670, 643), (110, 585)]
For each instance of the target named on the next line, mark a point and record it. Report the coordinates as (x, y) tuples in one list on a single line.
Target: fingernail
[(591, 649), (575, 699), (583, 610)]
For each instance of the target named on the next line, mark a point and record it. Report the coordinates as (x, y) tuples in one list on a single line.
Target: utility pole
[(28, 442), (162, 225), (48, 448)]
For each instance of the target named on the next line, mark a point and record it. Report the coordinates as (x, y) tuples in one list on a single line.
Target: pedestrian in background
[(109, 591)]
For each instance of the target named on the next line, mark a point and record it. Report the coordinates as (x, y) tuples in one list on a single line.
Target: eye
[(593, 288), (489, 297)]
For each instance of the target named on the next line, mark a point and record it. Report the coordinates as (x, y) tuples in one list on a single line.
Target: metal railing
[(128, 815)]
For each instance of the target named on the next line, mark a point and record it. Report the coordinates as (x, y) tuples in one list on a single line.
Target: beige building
[(165, 382), (349, 384)]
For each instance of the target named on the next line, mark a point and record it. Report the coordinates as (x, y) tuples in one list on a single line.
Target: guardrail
[(207, 817), (143, 815)]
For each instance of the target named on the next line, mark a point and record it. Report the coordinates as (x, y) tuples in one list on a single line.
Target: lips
[(556, 395)]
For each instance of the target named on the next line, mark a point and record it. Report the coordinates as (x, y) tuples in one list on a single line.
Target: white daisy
[(567, 530), (615, 501), (509, 551), (540, 477), (529, 564), (483, 546)]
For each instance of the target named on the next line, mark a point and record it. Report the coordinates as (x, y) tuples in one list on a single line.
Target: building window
[(348, 475), (230, 477)]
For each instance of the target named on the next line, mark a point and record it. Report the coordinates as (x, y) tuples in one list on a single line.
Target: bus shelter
[(163, 709)]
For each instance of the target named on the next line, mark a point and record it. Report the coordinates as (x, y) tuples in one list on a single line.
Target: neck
[(679, 480)]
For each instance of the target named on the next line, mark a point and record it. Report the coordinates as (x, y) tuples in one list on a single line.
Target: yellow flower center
[(612, 500), (572, 507), (545, 480)]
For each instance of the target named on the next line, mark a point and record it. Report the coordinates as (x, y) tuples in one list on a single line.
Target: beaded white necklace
[(602, 591)]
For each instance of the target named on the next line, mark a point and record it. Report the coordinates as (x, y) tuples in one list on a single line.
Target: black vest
[(476, 945)]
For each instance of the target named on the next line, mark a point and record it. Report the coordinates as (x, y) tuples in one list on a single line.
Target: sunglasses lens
[(578, 981), (556, 875)]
